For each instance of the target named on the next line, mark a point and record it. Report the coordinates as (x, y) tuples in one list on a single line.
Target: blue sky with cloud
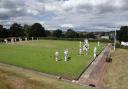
[(88, 15)]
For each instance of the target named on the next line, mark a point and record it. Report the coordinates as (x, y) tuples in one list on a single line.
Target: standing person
[(80, 44), (98, 43), (26, 38), (95, 49), (88, 46), (20, 39), (86, 49), (32, 38), (66, 55), (12, 40), (86, 43), (80, 51), (6, 41), (56, 55)]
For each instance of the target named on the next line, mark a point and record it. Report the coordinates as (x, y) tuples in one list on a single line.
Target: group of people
[(12, 40), (83, 48), (65, 55)]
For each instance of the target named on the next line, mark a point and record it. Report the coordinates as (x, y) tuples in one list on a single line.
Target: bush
[(118, 45)]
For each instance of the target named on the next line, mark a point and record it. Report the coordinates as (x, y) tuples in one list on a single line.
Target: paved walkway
[(94, 75)]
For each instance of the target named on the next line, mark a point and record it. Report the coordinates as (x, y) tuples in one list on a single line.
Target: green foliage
[(57, 33), (71, 34), (90, 35), (82, 34), (37, 30), (27, 30), (3, 32), (16, 30), (118, 44), (122, 34), (48, 33)]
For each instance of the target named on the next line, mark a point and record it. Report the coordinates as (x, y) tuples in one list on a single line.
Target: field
[(39, 55), (117, 75)]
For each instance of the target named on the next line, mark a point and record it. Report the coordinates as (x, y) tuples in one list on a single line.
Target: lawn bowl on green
[(39, 55)]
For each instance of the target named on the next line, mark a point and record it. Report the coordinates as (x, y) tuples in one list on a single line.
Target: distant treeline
[(37, 30)]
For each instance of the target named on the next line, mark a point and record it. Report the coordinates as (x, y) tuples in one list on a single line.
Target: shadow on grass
[(69, 58), (60, 59)]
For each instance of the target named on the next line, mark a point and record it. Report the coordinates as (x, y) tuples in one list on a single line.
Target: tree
[(27, 30), (82, 34), (37, 30), (48, 33), (122, 34), (57, 33), (1, 27), (3, 32), (16, 30), (71, 34), (91, 35)]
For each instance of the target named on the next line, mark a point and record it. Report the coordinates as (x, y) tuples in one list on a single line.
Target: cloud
[(84, 14), (67, 25)]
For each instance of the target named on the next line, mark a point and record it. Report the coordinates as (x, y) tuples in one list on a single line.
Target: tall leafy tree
[(3, 32), (57, 33), (71, 34), (16, 30), (48, 33), (37, 30), (1, 27), (122, 34), (27, 30)]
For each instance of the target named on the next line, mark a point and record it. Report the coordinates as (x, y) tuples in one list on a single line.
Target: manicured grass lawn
[(39, 55)]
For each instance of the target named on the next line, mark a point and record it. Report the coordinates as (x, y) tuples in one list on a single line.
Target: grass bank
[(117, 75)]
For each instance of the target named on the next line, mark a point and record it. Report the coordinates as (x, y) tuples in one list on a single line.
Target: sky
[(81, 15)]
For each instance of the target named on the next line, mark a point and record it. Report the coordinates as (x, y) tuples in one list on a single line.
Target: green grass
[(117, 75), (21, 81), (39, 55)]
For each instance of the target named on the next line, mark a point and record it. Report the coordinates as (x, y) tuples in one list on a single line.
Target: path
[(94, 75)]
